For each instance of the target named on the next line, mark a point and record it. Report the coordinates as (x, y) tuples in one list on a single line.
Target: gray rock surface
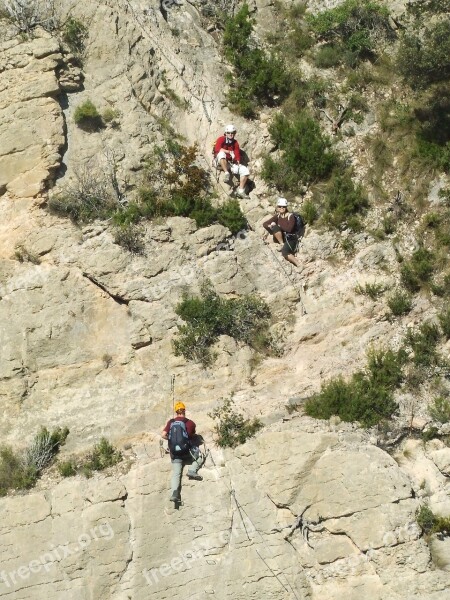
[(307, 509)]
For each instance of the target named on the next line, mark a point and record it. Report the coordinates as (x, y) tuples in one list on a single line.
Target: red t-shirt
[(190, 425), (233, 145)]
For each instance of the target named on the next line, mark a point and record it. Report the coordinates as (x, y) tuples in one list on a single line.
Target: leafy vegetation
[(74, 35), (367, 397), (174, 185), (87, 117), (305, 153), (102, 456), (418, 270), (352, 31), (440, 410), (344, 202), (372, 290), (258, 79), (231, 428), (400, 303), (423, 341), (208, 316), (444, 320), (21, 471), (431, 523), (130, 237)]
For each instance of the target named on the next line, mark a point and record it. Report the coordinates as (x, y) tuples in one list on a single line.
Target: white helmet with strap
[(230, 128), (282, 202)]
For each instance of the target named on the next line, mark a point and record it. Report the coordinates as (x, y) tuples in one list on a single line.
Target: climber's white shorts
[(234, 168)]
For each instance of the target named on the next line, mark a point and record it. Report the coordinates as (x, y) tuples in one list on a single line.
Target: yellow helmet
[(179, 406)]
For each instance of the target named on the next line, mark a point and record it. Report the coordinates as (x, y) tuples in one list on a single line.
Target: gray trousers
[(177, 469)]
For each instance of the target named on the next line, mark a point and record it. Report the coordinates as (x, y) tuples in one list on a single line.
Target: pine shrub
[(232, 429)]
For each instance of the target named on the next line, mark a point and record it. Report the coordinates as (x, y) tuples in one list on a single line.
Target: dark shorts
[(290, 241)]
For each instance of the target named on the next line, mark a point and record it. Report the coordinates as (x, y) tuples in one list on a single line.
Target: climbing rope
[(240, 509)]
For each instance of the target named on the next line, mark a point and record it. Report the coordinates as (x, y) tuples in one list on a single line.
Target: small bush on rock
[(259, 79), (74, 35), (21, 471), (444, 320), (440, 410), (208, 316), (400, 303), (431, 523), (353, 30), (130, 237), (344, 202), (305, 153), (232, 429), (367, 397), (423, 342), (418, 270), (103, 455), (87, 116)]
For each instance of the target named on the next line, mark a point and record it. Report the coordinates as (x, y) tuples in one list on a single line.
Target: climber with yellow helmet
[(180, 433)]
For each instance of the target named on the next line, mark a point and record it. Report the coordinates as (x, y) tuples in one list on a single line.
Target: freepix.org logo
[(166, 4)]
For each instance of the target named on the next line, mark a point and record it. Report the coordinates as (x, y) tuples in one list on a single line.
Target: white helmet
[(230, 128), (282, 202)]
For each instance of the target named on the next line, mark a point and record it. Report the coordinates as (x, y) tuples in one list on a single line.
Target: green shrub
[(310, 213), (372, 290), (423, 342), (104, 455), (306, 154), (444, 320), (259, 79), (230, 215), (431, 523), (74, 35), (424, 55), (344, 202), (232, 429), (207, 317), (130, 237), (416, 272), (13, 473), (87, 116), (430, 434), (440, 410), (442, 288), (67, 468), (327, 57), (21, 471), (353, 29), (111, 115), (367, 397), (400, 303)]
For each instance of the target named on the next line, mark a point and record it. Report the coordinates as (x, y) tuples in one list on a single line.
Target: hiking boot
[(227, 177), (175, 497), (194, 476), (242, 193)]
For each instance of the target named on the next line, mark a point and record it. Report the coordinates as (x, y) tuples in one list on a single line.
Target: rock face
[(267, 521), (31, 120), (306, 509)]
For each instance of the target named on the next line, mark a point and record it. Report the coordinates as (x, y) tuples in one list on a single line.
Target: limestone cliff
[(306, 509)]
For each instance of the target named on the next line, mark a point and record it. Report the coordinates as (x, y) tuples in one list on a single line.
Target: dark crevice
[(116, 298), (139, 345)]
